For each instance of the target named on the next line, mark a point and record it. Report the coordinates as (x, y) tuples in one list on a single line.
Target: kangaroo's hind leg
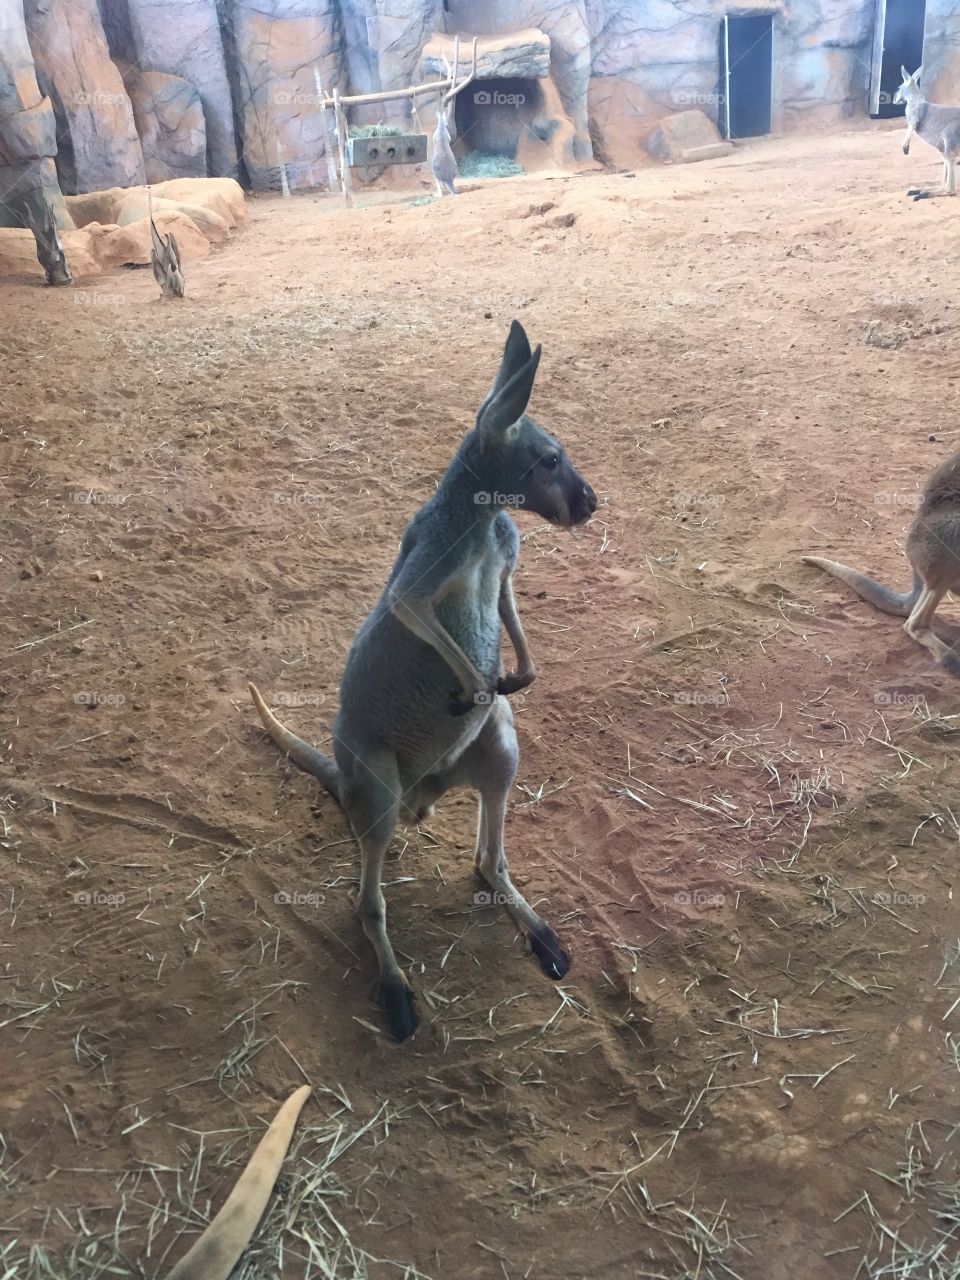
[(493, 766), (918, 628), (370, 795)]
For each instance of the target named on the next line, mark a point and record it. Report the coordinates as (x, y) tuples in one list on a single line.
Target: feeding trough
[(389, 148)]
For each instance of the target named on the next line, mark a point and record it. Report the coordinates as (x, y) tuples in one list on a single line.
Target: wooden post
[(327, 134), (340, 117)]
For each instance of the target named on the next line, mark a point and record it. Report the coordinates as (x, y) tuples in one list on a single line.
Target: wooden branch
[(341, 119), (327, 134), (459, 88)]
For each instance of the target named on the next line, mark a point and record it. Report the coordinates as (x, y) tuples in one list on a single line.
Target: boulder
[(519, 53), (686, 136), (136, 206), (98, 143), (169, 118), (113, 246), (277, 45), (28, 128), (222, 197), (183, 38)]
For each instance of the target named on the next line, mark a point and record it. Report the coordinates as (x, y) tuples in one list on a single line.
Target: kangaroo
[(933, 549), (442, 160), (406, 732), (42, 222), (938, 126)]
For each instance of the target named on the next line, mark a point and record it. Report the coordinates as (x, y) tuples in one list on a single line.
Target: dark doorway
[(897, 41), (746, 75)]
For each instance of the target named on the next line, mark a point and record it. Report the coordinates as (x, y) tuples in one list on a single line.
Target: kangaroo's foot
[(950, 661), (934, 193), (396, 998), (545, 945)]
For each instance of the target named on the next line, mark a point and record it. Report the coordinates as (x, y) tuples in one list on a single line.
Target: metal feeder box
[(397, 148)]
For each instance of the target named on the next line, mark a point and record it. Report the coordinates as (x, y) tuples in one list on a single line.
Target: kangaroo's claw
[(515, 681)]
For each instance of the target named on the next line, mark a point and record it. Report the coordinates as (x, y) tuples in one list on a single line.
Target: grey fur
[(423, 707), (442, 160)]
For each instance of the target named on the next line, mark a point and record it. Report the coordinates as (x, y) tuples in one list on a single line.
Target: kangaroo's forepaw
[(397, 1001), (545, 945), (951, 662), (460, 705), (515, 681)]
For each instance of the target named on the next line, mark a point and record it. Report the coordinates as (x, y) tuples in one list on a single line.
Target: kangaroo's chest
[(469, 610)]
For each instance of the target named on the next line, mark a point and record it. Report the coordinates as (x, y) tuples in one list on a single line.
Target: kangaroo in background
[(423, 706), (933, 549), (443, 162), (938, 126)]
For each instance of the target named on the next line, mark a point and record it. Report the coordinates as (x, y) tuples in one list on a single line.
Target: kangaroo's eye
[(551, 461)]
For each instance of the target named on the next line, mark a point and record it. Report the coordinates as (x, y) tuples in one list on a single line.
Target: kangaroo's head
[(530, 468), (442, 130), (910, 87)]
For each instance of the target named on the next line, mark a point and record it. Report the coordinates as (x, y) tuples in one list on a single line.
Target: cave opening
[(492, 115)]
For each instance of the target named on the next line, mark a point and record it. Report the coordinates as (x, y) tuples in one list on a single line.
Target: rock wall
[(103, 88)]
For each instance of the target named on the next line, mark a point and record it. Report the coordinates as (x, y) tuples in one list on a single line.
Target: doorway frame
[(770, 14)]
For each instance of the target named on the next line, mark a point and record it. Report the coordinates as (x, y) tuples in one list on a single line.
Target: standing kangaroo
[(443, 162), (406, 732), (933, 549), (938, 126)]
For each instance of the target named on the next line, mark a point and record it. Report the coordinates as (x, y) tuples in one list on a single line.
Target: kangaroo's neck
[(471, 483), (917, 107)]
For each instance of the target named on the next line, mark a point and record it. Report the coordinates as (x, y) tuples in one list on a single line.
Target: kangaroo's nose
[(590, 498)]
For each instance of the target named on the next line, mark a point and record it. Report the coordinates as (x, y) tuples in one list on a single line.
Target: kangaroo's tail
[(308, 758), (215, 1254), (898, 602)]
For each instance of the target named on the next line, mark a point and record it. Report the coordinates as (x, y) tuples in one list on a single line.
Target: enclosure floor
[(737, 799)]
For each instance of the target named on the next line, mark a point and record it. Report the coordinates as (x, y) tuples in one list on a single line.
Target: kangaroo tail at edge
[(215, 1254), (300, 752), (898, 602)]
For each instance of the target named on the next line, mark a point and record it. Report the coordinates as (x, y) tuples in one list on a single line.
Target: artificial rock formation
[(182, 38), (97, 143), (28, 128), (184, 83), (278, 46), (169, 118)]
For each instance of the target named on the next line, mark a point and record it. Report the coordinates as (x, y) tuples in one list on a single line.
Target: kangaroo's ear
[(916, 75), (516, 353), (510, 396), (905, 73)]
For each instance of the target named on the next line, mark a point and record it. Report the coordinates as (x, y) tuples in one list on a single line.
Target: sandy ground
[(737, 794)]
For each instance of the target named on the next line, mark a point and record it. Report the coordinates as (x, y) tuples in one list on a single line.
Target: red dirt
[(725, 760)]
